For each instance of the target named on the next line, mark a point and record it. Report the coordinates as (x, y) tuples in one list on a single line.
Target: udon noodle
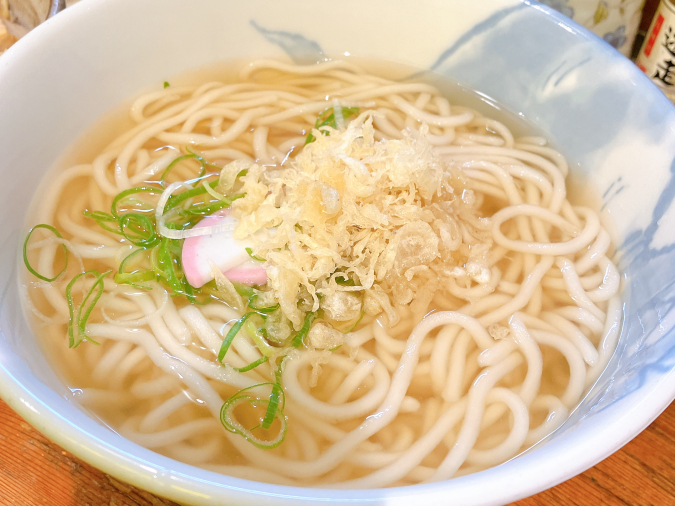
[(455, 362)]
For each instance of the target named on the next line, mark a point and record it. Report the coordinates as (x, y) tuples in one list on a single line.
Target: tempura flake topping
[(384, 219)]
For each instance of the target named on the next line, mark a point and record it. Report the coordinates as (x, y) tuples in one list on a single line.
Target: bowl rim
[(35, 405)]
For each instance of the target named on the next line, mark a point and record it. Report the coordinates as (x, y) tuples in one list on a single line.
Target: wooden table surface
[(35, 471)]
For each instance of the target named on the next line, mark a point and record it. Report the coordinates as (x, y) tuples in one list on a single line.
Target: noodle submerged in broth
[(317, 276)]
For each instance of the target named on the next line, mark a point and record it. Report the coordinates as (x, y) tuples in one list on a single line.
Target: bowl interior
[(592, 102)]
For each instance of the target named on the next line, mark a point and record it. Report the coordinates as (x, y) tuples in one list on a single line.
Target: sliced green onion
[(244, 290), (229, 337), (344, 281), (363, 313), (154, 261), (241, 393), (166, 256), (25, 253), (206, 209), (327, 118), (191, 295), (252, 295), (131, 191), (103, 218), (252, 365), (166, 84), (254, 257), (232, 425), (258, 336), (174, 200), (167, 266), (275, 397), (132, 278), (78, 318), (190, 156), (128, 258), (302, 333), (139, 230), (214, 193), (264, 309), (165, 262), (170, 167)]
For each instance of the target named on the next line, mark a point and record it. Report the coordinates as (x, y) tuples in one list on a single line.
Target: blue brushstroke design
[(638, 242), (609, 188), (650, 299), (476, 30), (646, 349), (609, 195), (299, 48), (554, 73), (575, 67)]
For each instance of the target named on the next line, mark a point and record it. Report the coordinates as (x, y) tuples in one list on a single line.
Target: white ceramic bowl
[(589, 99)]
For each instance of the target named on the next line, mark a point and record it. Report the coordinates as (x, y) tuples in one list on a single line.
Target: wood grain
[(35, 471)]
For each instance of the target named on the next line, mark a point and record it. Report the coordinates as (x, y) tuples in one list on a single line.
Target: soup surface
[(319, 276)]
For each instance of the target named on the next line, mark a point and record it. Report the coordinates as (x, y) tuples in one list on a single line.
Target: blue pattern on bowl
[(299, 48), (572, 120)]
